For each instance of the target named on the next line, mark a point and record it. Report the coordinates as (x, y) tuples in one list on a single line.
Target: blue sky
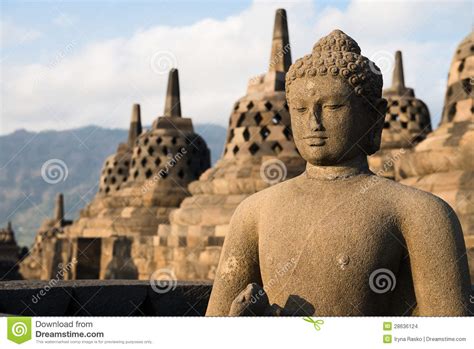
[(68, 64), (101, 20)]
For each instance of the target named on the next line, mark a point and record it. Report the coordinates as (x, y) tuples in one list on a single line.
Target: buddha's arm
[(438, 259), (238, 265)]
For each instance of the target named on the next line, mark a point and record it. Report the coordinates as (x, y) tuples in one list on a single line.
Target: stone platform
[(108, 298), (103, 298)]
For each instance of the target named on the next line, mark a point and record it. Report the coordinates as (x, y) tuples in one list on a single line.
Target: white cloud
[(97, 84), (11, 34)]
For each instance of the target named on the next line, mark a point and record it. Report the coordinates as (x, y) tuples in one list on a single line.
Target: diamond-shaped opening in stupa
[(246, 134), (264, 132), (277, 148), (253, 148)]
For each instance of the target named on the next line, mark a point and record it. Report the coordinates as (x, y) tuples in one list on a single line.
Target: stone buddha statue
[(339, 240)]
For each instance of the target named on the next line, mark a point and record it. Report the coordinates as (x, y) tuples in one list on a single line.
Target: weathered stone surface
[(339, 240), (102, 298), (93, 300), (116, 167), (49, 250), (182, 299), (443, 163), (459, 100), (34, 298), (251, 301), (121, 266), (16, 298), (9, 254)]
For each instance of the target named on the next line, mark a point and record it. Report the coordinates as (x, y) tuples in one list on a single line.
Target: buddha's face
[(330, 122)]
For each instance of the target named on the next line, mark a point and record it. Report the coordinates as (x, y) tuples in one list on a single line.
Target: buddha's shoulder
[(271, 195), (409, 198)]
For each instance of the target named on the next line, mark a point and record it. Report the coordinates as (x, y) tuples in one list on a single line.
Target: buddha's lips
[(315, 141), (315, 137)]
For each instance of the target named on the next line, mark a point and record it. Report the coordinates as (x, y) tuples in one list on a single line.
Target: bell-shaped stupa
[(458, 103), (44, 258), (407, 122), (443, 164), (139, 186), (116, 167), (148, 175), (9, 254), (259, 152)]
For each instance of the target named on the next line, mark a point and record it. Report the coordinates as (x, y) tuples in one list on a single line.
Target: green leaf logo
[(19, 329), (316, 323)]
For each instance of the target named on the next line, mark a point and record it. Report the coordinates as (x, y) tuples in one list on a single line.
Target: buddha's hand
[(252, 301)]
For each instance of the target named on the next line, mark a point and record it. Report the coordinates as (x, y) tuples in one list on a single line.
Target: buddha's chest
[(337, 245)]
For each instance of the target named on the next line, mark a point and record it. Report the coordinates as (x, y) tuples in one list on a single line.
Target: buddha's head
[(335, 99)]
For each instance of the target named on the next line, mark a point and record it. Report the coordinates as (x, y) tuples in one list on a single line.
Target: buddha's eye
[(333, 106)]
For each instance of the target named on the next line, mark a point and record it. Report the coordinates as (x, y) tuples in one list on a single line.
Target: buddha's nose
[(316, 121)]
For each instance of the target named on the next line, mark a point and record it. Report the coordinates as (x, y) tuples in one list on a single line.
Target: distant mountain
[(26, 199)]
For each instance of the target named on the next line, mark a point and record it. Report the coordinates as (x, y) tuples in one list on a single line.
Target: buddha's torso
[(323, 240)]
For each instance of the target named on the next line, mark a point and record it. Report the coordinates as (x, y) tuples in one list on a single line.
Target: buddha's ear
[(375, 133), (381, 106)]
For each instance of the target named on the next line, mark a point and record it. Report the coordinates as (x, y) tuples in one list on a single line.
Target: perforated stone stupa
[(50, 247), (9, 254), (259, 152), (139, 185), (444, 163), (116, 167), (407, 122)]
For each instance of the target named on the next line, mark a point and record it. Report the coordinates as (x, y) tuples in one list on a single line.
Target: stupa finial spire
[(135, 125), (280, 59), (59, 209), (173, 103), (398, 80)]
